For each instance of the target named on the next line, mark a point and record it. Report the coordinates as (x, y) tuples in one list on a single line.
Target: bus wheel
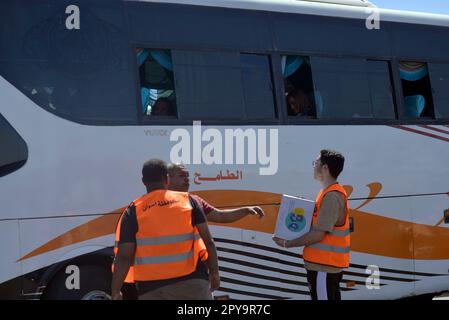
[(94, 284)]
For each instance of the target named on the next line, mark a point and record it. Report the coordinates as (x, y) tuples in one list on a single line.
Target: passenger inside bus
[(417, 90), (298, 86), (157, 83), (162, 107), (298, 104)]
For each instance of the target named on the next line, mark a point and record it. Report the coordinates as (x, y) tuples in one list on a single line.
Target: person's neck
[(155, 187), (328, 182)]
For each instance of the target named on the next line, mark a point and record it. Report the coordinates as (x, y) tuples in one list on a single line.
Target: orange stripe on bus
[(95, 228), (374, 234)]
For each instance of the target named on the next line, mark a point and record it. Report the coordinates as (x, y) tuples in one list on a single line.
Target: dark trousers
[(129, 291), (324, 286)]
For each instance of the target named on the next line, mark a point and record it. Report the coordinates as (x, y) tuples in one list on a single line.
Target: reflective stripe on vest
[(167, 239), (326, 247), (340, 233), (334, 249), (164, 259)]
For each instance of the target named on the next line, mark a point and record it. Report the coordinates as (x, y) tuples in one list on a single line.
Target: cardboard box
[(294, 217)]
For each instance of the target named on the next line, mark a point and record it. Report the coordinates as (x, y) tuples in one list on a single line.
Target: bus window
[(13, 150), (439, 75), (257, 86), (353, 88), (81, 76), (157, 88), (223, 85), (298, 84), (381, 90), (416, 89)]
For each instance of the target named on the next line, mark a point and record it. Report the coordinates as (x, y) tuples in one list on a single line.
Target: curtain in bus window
[(412, 71), (208, 85), (163, 58), (155, 74), (145, 94), (142, 55), (352, 88), (416, 89), (156, 77), (290, 64), (439, 74), (257, 86), (414, 105)]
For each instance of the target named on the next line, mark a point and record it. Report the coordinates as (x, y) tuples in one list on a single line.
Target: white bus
[(89, 90)]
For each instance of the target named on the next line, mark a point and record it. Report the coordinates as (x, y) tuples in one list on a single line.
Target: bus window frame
[(272, 79), (402, 117), (142, 118), (292, 119), (433, 90), (261, 121), (434, 118), (396, 84), (279, 89), (175, 120), (343, 120)]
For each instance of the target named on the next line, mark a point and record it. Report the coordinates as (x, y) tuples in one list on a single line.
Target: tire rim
[(96, 295)]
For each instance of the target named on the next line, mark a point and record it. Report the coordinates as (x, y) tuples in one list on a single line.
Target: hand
[(257, 211), (280, 242), (214, 280), (117, 296)]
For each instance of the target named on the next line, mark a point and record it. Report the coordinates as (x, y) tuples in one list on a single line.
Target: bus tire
[(94, 284)]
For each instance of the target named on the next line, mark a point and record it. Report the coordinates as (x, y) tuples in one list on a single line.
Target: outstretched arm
[(232, 215)]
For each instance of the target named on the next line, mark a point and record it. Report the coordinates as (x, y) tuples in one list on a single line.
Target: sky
[(432, 6)]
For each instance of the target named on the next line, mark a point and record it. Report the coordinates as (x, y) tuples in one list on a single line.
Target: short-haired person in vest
[(327, 244), (161, 240)]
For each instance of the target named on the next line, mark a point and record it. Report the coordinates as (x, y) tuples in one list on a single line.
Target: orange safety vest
[(201, 247), (130, 276), (333, 250), (167, 245)]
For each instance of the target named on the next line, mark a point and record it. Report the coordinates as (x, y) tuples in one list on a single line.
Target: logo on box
[(295, 220)]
